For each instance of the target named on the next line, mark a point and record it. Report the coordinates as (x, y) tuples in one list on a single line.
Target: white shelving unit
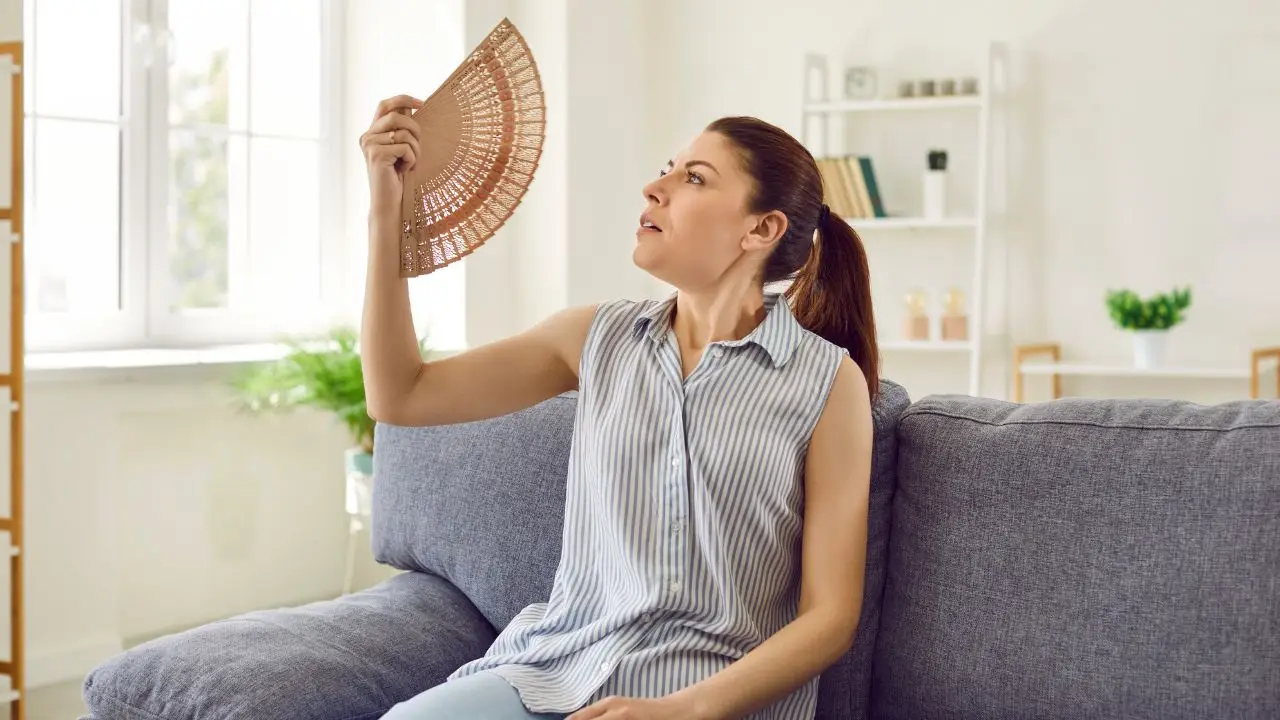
[(821, 108)]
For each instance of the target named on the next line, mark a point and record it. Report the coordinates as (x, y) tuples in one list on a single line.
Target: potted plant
[(1148, 320), (327, 376)]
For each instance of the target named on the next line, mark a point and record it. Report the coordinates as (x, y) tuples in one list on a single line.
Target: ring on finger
[(391, 136)]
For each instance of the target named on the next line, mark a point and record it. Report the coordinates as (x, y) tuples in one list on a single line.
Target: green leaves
[(1159, 312), (326, 376)]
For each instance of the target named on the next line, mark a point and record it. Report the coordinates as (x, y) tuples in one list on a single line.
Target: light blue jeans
[(481, 696)]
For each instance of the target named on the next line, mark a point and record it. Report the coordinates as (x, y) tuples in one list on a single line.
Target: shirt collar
[(778, 335)]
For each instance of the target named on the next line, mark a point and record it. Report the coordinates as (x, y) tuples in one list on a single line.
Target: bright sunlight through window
[(180, 168)]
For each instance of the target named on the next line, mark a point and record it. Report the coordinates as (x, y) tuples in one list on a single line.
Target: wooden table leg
[(1255, 375), (1021, 353)]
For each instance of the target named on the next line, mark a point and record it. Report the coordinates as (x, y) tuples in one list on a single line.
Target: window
[(182, 171)]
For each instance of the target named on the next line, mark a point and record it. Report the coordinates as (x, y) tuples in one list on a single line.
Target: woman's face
[(695, 227)]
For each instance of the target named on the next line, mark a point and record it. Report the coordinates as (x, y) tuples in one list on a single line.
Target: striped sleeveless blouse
[(683, 517)]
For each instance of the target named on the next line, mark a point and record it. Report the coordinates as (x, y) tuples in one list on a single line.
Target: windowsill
[(118, 364), (150, 362)]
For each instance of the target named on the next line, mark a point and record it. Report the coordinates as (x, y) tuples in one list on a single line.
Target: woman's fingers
[(403, 124), (391, 153), (393, 104), (396, 121), (390, 129), (415, 149), (392, 137)]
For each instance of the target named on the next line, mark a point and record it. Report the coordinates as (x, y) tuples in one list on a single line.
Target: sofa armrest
[(346, 659)]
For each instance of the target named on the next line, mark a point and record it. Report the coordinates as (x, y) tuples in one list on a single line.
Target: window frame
[(144, 321)]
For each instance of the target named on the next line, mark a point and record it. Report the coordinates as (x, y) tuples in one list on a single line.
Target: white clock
[(859, 83)]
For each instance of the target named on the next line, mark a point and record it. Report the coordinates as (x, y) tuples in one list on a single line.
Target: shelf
[(8, 696), (909, 223), (1056, 369), (950, 102), (1099, 370), (927, 345)]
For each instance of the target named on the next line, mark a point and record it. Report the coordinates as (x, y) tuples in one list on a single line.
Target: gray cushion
[(480, 504), (1083, 558), (844, 688), (345, 659)]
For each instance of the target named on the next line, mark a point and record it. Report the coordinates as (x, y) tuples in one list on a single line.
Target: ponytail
[(831, 295)]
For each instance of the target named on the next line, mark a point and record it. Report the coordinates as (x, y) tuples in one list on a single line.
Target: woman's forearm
[(797, 653), (389, 352)]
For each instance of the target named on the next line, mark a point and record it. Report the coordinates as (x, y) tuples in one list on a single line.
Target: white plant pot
[(1149, 348), (935, 194)]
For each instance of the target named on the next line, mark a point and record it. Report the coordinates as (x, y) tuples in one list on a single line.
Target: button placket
[(674, 506)]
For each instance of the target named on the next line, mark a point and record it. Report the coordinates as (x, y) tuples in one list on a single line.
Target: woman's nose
[(653, 191)]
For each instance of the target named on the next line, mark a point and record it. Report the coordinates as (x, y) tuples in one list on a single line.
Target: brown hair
[(831, 289)]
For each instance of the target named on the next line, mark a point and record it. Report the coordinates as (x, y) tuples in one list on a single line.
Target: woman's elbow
[(385, 407), (844, 628)]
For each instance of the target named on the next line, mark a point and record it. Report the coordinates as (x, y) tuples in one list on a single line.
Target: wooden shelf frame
[(1055, 368), (15, 667)]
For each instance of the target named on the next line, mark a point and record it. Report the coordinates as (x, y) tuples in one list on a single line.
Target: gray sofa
[(1071, 559)]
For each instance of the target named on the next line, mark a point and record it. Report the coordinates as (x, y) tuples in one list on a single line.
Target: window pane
[(285, 67), (73, 221), (77, 49), (284, 225), (200, 219), (210, 53)]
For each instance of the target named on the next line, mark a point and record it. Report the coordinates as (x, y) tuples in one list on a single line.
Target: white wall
[(1135, 152), (152, 506)]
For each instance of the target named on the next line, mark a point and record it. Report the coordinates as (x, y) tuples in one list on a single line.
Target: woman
[(715, 521)]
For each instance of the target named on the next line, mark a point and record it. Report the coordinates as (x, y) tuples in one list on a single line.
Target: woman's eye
[(695, 178)]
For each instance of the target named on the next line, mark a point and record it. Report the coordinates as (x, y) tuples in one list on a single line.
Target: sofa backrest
[(479, 504), (1083, 558), (482, 505)]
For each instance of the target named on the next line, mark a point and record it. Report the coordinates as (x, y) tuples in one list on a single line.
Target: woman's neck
[(724, 313)]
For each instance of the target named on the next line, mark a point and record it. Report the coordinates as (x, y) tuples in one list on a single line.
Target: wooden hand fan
[(481, 138)]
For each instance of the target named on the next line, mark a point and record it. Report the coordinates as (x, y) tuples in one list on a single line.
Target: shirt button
[(675, 461), (604, 667), (673, 586)]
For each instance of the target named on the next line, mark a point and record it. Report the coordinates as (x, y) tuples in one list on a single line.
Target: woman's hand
[(390, 148), (625, 708)]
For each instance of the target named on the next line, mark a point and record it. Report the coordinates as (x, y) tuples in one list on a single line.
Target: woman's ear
[(768, 229)]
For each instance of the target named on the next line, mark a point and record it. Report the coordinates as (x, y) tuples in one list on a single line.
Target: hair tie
[(823, 214)]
